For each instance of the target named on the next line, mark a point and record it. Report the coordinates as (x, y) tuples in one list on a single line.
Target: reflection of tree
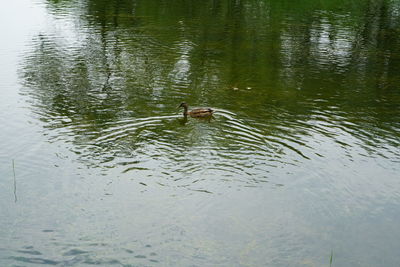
[(380, 38), (64, 84), (143, 56)]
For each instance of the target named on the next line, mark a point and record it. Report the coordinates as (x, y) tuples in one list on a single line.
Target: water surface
[(300, 160)]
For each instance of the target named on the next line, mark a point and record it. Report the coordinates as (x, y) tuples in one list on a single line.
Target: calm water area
[(299, 165)]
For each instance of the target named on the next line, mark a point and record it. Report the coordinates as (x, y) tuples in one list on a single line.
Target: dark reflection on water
[(280, 79), (73, 257)]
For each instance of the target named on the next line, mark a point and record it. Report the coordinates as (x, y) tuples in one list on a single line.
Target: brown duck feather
[(197, 112)]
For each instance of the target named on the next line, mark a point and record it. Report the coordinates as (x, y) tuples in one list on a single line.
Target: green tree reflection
[(290, 69)]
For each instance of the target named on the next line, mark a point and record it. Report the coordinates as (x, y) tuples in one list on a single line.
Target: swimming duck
[(197, 112)]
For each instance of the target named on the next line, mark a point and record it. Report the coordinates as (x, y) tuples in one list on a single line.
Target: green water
[(301, 160)]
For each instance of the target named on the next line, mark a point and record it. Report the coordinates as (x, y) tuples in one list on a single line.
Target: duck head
[(184, 105)]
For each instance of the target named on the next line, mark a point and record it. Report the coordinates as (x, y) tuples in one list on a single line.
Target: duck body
[(197, 112)]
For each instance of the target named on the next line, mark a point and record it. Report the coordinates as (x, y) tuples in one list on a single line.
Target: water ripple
[(184, 150)]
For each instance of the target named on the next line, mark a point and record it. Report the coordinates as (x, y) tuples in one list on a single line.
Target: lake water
[(299, 166)]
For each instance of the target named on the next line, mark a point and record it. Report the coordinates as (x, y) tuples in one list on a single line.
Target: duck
[(197, 112)]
